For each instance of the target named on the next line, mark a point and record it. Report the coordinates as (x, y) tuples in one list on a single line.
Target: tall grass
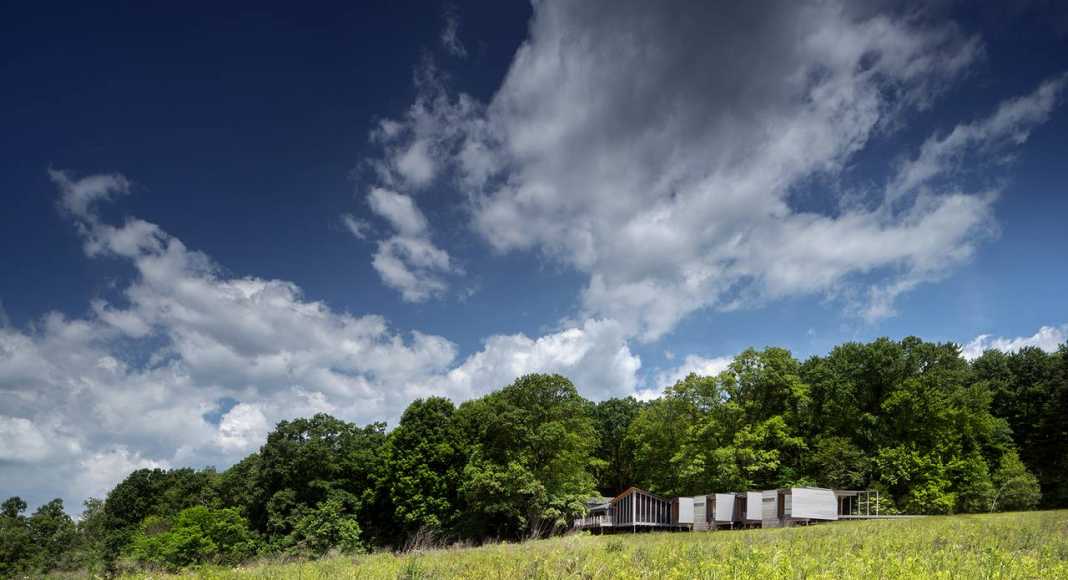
[(1015, 545)]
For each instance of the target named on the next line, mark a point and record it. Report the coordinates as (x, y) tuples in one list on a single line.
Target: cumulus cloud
[(594, 355), (23, 441), (137, 381), (408, 261), (1048, 338), (692, 364), (100, 471), (660, 148), (242, 428), (415, 149)]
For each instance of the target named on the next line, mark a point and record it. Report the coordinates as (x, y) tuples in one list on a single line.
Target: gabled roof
[(632, 489)]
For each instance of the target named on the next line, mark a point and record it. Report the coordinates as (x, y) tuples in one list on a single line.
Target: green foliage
[(426, 455), (13, 507), (657, 436), (306, 461), (88, 551), (330, 525), (36, 544), (907, 417), (932, 432), (613, 418), (837, 462), (531, 458), (739, 430), (1030, 391), (52, 532), (1014, 487), (152, 492), (1029, 545), (17, 551), (196, 535)]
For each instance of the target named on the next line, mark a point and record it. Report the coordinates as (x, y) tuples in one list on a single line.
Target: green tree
[(1030, 391), (330, 525), (532, 459), (613, 418), (13, 507), (153, 492), (658, 435), (237, 486), (735, 431), (17, 550), (195, 535), (425, 461), (1015, 488), (92, 529), (307, 461), (53, 533)]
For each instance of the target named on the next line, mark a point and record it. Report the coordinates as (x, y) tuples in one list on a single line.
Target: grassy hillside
[(1014, 545)]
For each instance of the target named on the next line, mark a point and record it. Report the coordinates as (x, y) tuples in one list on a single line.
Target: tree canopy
[(933, 432)]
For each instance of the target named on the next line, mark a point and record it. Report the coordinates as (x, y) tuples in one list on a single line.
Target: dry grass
[(1016, 545)]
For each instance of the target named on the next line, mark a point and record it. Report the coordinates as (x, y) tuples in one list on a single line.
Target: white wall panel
[(813, 503)]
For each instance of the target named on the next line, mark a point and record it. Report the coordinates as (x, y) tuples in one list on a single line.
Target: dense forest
[(932, 431)]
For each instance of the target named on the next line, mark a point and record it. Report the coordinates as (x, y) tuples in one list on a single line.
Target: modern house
[(720, 510), (700, 513), (753, 509), (797, 505), (636, 509), (598, 514)]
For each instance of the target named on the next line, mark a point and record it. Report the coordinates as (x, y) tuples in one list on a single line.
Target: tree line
[(933, 432)]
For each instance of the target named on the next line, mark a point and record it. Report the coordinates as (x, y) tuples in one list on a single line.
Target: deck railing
[(593, 522)]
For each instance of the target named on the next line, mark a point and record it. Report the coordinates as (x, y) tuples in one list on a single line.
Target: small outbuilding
[(700, 513), (638, 509), (797, 505), (721, 510), (753, 509)]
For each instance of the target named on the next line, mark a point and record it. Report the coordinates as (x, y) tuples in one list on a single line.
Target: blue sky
[(216, 218)]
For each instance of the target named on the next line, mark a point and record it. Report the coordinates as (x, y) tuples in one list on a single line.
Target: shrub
[(1016, 487), (196, 535), (327, 527)]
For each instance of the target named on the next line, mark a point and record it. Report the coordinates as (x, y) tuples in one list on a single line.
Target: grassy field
[(1017, 545)]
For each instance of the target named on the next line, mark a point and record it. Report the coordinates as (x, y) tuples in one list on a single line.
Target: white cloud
[(450, 34), (23, 441), (692, 364), (86, 400), (399, 210), (408, 261), (1048, 338), (100, 471), (415, 150), (417, 147), (1012, 123), (658, 149), (357, 227), (79, 195), (594, 355), (243, 428)]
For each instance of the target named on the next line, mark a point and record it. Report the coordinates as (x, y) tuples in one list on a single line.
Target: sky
[(217, 217)]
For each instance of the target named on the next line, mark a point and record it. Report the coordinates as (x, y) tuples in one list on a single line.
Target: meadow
[(1006, 545)]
